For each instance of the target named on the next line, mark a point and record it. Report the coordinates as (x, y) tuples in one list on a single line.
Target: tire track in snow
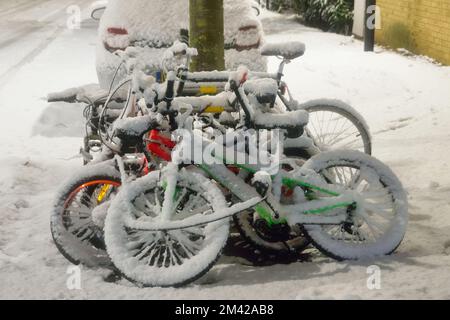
[(21, 7), (52, 16), (5, 77), (12, 5), (50, 19), (23, 31)]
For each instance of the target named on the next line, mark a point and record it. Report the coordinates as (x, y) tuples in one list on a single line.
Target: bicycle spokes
[(375, 208), (331, 130)]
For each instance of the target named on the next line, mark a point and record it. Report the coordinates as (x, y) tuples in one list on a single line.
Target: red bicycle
[(82, 202)]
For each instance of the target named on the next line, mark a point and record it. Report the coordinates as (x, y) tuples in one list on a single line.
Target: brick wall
[(421, 26)]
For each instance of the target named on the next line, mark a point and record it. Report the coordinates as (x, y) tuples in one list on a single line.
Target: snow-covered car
[(156, 25)]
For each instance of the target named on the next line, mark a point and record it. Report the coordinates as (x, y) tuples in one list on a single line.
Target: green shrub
[(329, 15), (280, 5)]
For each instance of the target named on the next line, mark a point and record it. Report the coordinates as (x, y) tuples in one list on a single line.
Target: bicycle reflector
[(244, 77), (241, 75)]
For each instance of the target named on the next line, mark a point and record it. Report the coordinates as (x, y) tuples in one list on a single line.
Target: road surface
[(29, 27)]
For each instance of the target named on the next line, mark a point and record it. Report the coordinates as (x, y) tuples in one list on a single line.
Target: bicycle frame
[(331, 210), (215, 77), (268, 207), (160, 145), (216, 82)]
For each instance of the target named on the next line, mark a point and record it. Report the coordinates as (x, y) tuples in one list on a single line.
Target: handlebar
[(168, 99), (170, 90)]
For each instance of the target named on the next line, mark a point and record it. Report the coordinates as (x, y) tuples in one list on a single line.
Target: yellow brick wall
[(421, 26)]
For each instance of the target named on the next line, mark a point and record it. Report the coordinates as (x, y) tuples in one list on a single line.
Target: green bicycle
[(169, 227)]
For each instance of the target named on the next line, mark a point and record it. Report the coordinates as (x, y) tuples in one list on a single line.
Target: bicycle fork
[(240, 189), (170, 173)]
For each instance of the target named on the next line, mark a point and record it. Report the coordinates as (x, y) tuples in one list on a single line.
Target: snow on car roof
[(161, 21)]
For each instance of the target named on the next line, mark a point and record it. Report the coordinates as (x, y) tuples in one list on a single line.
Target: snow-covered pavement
[(406, 101)]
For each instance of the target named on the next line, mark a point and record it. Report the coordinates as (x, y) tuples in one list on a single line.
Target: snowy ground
[(406, 101)]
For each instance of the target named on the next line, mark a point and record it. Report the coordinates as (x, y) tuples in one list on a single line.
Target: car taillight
[(248, 27), (116, 39), (117, 31), (248, 38)]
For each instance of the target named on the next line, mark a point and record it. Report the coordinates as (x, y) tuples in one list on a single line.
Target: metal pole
[(369, 29)]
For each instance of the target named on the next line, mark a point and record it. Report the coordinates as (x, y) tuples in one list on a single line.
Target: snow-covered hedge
[(330, 15)]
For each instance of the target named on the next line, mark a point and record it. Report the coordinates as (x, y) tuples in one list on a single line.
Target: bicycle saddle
[(85, 94), (135, 128), (292, 121), (265, 90), (91, 93), (287, 50)]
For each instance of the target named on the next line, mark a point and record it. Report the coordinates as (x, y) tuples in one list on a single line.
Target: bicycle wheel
[(74, 232), (377, 225), (165, 258), (336, 125)]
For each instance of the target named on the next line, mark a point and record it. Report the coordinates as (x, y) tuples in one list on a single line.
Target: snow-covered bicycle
[(169, 227), (82, 201), (333, 123), (75, 226), (81, 240)]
